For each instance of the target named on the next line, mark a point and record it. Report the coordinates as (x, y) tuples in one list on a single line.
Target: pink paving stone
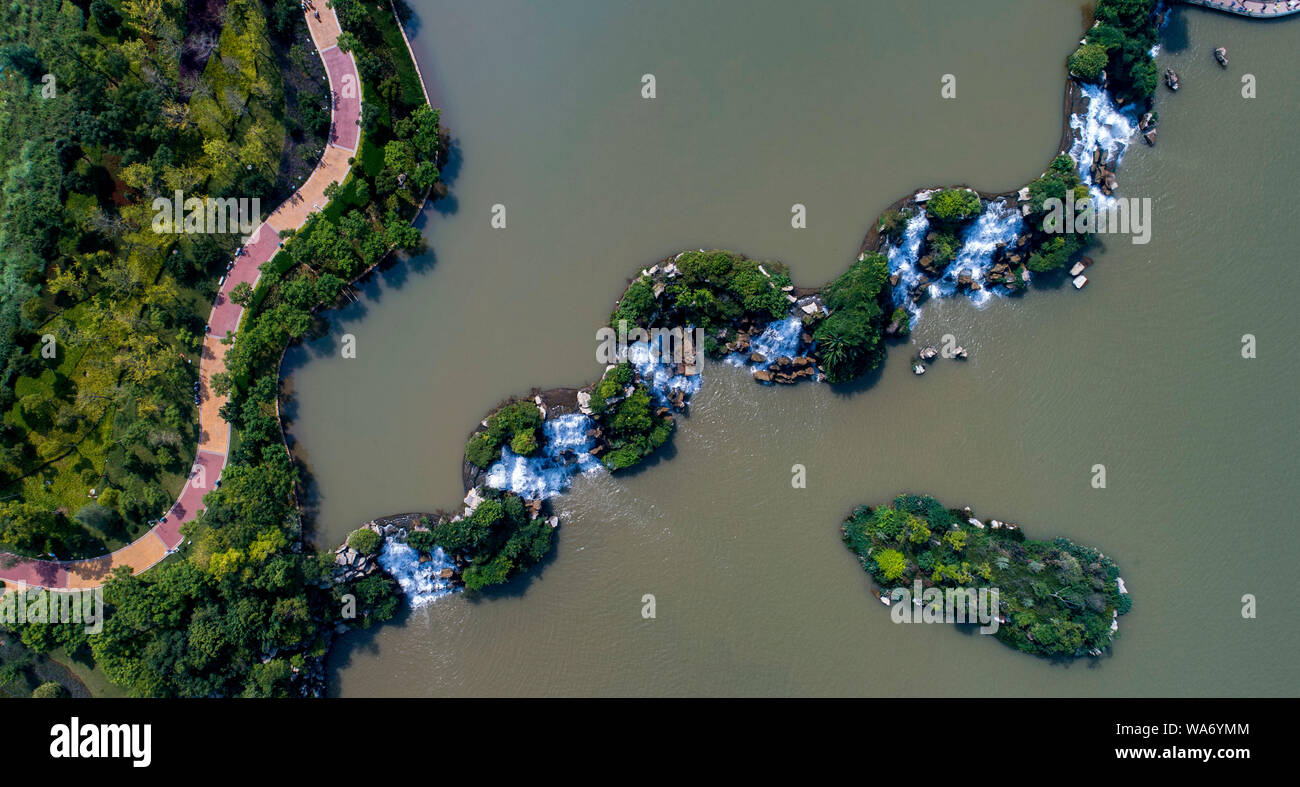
[(225, 312), (33, 572), (346, 85)]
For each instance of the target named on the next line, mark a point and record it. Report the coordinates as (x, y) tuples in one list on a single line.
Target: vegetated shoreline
[(247, 581), (1053, 599), (752, 315)]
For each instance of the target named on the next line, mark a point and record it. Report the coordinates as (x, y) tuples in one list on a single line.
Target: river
[(836, 106)]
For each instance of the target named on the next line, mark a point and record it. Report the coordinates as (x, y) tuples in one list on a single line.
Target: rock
[(762, 375), (801, 362), (894, 279), (447, 573), (553, 521), (757, 358), (472, 500), (783, 362), (964, 278), (534, 508), (1149, 136), (809, 308)]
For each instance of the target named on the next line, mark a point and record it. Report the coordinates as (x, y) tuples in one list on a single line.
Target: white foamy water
[(779, 339), (566, 452), (1105, 125), (662, 378), (421, 582), (902, 260), (998, 225)]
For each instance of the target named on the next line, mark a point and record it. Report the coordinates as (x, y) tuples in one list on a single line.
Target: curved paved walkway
[(214, 432), (1253, 8)]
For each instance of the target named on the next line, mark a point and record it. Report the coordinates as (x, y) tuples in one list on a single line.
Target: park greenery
[(517, 424), (1120, 44), (107, 106), (499, 539), (849, 341), (1053, 251), (245, 609), (634, 427), (1058, 598), (714, 291), (951, 207)]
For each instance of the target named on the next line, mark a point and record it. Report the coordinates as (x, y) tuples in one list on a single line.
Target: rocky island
[(1055, 599)]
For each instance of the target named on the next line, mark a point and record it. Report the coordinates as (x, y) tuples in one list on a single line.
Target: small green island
[(1055, 599)]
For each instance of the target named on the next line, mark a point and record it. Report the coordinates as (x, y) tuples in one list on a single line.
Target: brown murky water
[(834, 105)]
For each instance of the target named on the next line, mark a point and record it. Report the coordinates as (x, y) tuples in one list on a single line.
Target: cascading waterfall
[(1104, 125), (999, 224), (779, 339), (662, 378), (566, 451), (902, 261), (421, 582)]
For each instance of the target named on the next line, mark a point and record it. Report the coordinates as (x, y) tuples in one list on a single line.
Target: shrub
[(893, 224), (422, 541), (49, 689), (481, 450), (365, 541), (637, 305), (890, 564), (1089, 60), (524, 443), (953, 205)]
